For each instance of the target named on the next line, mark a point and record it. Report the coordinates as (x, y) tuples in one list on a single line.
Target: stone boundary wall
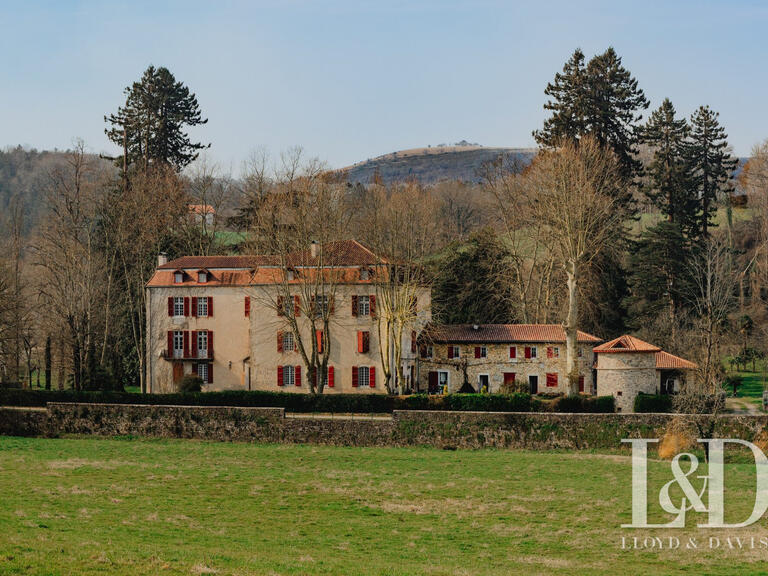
[(440, 429)]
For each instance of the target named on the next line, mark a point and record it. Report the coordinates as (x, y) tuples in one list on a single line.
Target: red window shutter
[(194, 367), (354, 376), (513, 351), (372, 377), (194, 344), (366, 342), (581, 383), (432, 381), (186, 344), (210, 343), (210, 305), (210, 373), (330, 377), (354, 305), (549, 352), (551, 380), (186, 306), (247, 306), (413, 342), (194, 306), (280, 306), (527, 351), (477, 351), (170, 343), (280, 342), (319, 338), (509, 377), (331, 305), (373, 306), (279, 375), (170, 305), (298, 375), (296, 306), (450, 352), (359, 342)]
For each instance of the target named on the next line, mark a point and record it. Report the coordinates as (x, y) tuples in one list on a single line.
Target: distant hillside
[(430, 165)]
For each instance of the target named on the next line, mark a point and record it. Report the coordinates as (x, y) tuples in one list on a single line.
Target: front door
[(432, 389), (533, 384), (483, 383), (178, 371)]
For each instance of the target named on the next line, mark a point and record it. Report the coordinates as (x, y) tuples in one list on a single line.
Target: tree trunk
[(571, 325), (48, 362)]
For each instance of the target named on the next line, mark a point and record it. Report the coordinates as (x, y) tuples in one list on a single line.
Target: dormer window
[(364, 274), (290, 275), (178, 277), (202, 277)]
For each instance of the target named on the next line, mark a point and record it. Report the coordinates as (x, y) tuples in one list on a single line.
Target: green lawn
[(122, 506)]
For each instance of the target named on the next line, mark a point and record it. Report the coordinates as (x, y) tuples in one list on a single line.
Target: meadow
[(127, 506)]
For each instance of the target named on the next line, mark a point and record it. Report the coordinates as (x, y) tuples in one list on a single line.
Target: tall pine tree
[(709, 163), (600, 99), (151, 126), (669, 185)]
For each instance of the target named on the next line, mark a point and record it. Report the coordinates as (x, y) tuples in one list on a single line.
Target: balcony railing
[(188, 354)]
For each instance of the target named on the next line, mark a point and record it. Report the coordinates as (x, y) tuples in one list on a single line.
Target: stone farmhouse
[(502, 357), (256, 309), (228, 320)]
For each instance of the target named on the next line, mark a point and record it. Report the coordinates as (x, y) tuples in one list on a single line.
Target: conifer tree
[(151, 127), (602, 100), (709, 163), (670, 187)]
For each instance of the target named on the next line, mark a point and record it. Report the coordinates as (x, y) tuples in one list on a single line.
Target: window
[(513, 352), (363, 376), (430, 351), (364, 275), (288, 343), (363, 305), (289, 375), (553, 352), (178, 344), (321, 306), (580, 352), (483, 352), (202, 371), (178, 277), (202, 277), (202, 344), (178, 306), (534, 351), (363, 342), (290, 275), (202, 307), (453, 352)]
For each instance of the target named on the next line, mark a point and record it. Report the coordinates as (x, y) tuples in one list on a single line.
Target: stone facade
[(550, 358), (624, 376)]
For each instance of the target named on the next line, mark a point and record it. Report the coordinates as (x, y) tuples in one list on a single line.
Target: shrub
[(579, 403), (653, 403), (190, 383)]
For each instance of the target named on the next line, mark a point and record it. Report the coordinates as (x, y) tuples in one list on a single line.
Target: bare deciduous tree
[(571, 192)]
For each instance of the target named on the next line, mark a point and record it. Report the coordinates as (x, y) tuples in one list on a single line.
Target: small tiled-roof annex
[(667, 361), (501, 333)]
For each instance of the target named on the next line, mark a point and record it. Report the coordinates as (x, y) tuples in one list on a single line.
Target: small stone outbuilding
[(628, 366)]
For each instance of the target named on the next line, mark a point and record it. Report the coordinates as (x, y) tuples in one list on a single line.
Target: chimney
[(313, 249), (162, 259), (475, 327)]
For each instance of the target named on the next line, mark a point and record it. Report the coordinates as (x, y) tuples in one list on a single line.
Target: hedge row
[(649, 403), (334, 403)]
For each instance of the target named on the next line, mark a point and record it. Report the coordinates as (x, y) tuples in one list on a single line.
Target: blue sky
[(352, 80)]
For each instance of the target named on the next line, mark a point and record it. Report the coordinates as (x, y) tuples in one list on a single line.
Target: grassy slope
[(97, 506)]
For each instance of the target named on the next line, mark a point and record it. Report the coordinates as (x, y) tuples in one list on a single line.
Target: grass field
[(123, 506)]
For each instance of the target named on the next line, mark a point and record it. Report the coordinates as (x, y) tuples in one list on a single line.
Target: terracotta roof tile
[(500, 333), (667, 361), (211, 262), (626, 343)]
